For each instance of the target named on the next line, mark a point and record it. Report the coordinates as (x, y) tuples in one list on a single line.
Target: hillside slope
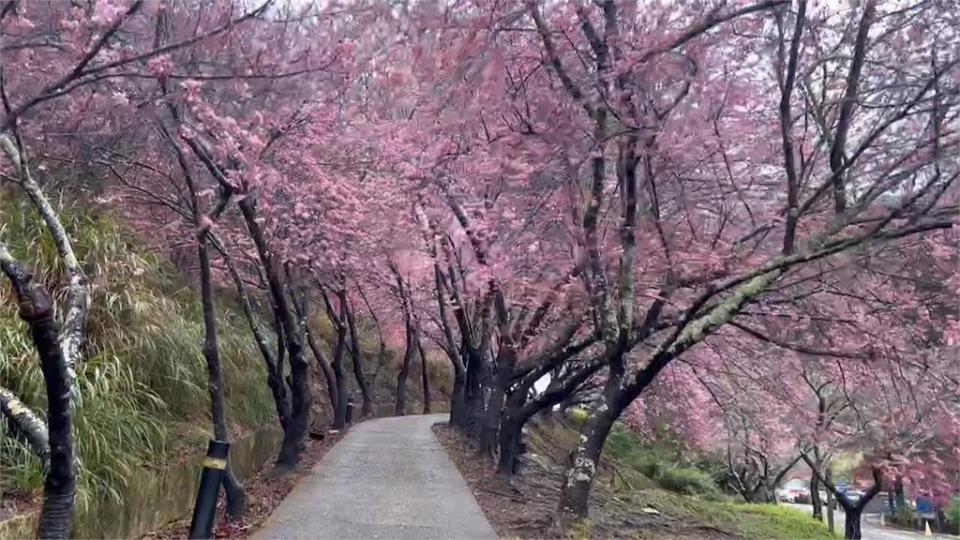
[(625, 502), (142, 385)]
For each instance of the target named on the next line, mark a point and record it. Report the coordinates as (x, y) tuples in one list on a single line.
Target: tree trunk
[(831, 503), (278, 388), (575, 497), (517, 412), (25, 424), (506, 361), (458, 400), (401, 408), (381, 361), (36, 308), (509, 440), (424, 376), (473, 394), (815, 497), (328, 376), (60, 483), (471, 389), (520, 409), (491, 423), (299, 419), (340, 412), (356, 354), (236, 498), (854, 512), (851, 527), (899, 497)]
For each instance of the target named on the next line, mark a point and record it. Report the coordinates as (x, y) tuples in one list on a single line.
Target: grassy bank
[(640, 485), (142, 384)]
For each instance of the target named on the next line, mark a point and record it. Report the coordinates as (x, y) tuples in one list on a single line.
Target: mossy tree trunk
[(25, 424)]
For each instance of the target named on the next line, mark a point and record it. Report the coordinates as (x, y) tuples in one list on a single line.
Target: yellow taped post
[(215, 463), (204, 511), (926, 529)]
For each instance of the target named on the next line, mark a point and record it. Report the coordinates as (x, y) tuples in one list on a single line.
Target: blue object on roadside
[(925, 505), (841, 486)]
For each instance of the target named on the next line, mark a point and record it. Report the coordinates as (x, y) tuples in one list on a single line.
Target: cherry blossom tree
[(872, 202), (710, 205), (65, 54)]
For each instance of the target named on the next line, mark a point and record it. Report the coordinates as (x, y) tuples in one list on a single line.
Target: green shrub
[(953, 511), (905, 515), (621, 442), (715, 465), (687, 480), (625, 447), (651, 467)]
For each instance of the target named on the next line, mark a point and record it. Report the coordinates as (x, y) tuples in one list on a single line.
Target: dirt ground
[(15, 501), (524, 506), (265, 490), (521, 507)]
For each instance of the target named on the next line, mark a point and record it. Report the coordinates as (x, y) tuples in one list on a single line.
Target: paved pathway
[(388, 478)]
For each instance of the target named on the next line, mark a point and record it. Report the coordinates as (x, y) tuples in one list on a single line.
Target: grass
[(636, 474), (687, 480), (580, 530), (773, 521), (624, 448), (142, 382), (760, 521)]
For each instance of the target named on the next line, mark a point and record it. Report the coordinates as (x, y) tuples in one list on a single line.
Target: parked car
[(854, 495), (794, 491)]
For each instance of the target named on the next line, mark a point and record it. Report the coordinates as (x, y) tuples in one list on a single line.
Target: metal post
[(205, 510)]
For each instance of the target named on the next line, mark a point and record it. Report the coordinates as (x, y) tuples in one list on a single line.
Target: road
[(388, 478), (871, 527)]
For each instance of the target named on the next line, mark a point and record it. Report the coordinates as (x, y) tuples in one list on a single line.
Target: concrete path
[(388, 478)]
